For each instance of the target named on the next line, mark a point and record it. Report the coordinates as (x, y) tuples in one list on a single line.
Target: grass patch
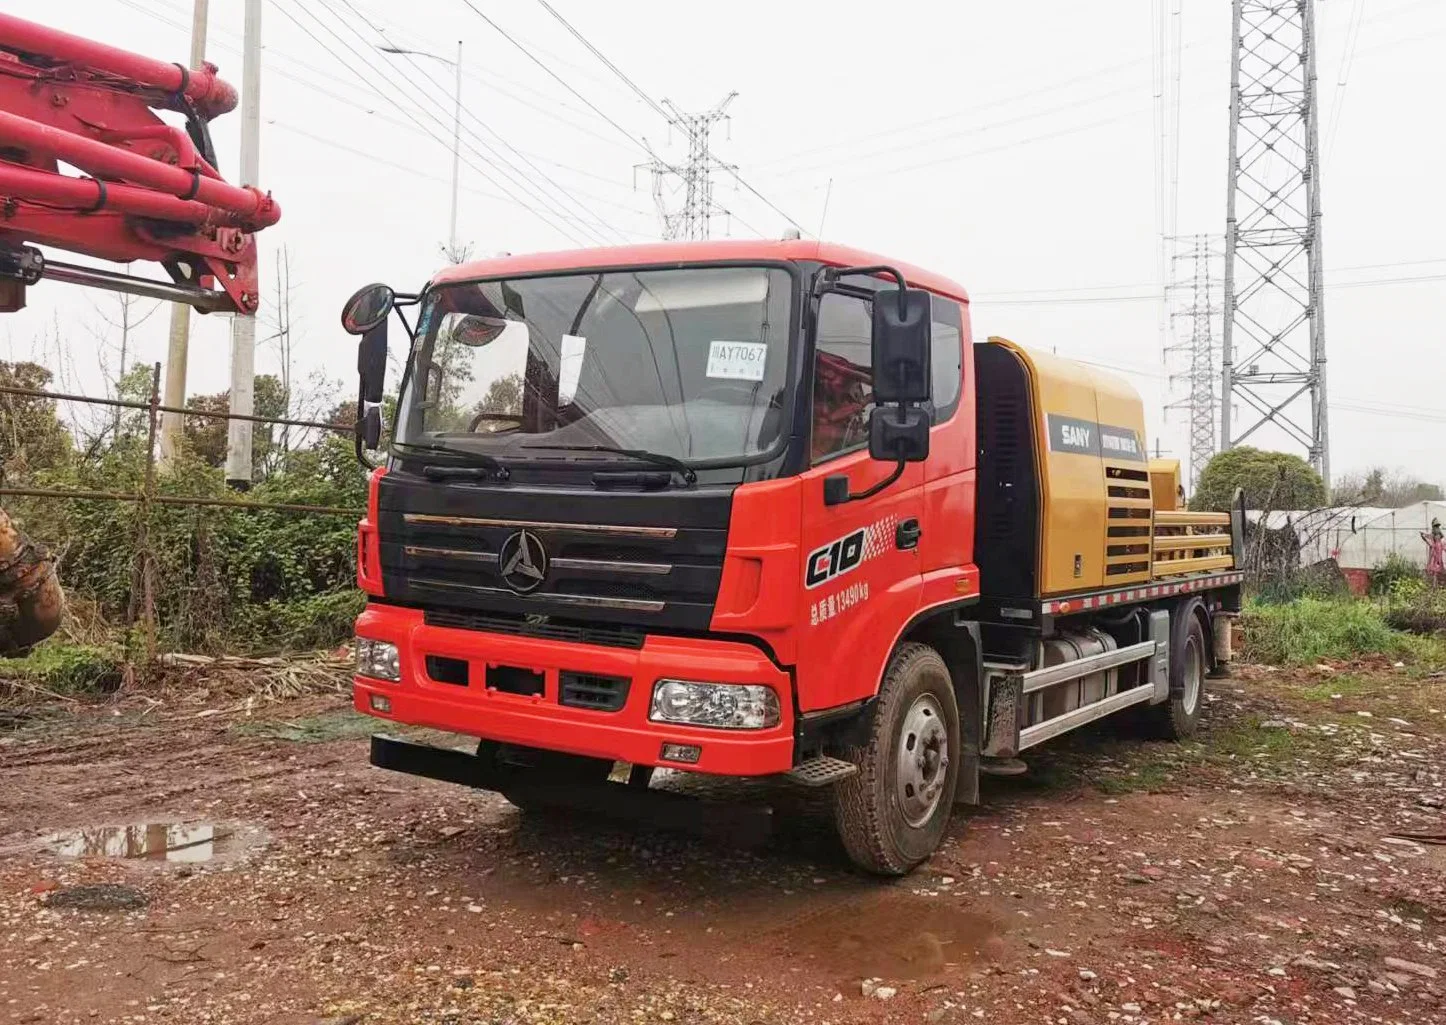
[(64, 669), (1346, 685), (1313, 629), (1146, 776), (312, 729), (1252, 741)]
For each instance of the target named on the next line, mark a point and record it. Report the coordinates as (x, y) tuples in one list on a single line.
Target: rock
[(341, 1019), (447, 832), (1087, 975), (1321, 667), (666, 1015), (1153, 872), (1346, 992), (1275, 971), (1425, 971), (1130, 1008), (885, 993), (936, 1015), (97, 897), (1056, 953), (1134, 877), (463, 982), (868, 986), (1314, 965), (618, 975)]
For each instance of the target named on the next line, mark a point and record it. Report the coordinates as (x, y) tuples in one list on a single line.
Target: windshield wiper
[(478, 465), (656, 458)]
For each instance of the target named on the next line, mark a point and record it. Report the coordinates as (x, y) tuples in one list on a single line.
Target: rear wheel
[(891, 815), (1179, 717)]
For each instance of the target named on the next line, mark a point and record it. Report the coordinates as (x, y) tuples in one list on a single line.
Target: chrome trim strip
[(488, 558), (584, 600), (583, 528), (605, 566)]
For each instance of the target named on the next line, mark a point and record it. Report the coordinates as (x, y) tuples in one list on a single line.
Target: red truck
[(761, 509)]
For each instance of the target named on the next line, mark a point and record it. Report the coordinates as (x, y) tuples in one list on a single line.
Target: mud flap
[(1160, 627)]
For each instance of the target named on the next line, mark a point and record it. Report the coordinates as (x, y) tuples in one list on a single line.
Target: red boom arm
[(151, 190)]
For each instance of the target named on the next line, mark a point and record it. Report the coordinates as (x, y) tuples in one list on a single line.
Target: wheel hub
[(1194, 676), (922, 760)]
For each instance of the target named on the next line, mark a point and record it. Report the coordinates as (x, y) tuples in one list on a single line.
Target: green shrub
[(1394, 569), (1311, 629)]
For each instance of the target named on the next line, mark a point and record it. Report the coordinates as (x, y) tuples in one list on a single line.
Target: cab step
[(820, 771)]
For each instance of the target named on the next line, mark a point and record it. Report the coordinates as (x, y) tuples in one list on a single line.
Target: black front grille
[(589, 690), (549, 627)]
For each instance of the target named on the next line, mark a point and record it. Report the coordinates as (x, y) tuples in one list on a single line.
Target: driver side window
[(843, 389)]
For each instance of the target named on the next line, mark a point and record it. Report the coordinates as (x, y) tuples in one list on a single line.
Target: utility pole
[(243, 327), (456, 130), (174, 394), (1274, 352), (1198, 253), (694, 219)]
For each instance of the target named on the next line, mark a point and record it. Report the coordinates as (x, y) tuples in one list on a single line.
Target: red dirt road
[(1250, 877)]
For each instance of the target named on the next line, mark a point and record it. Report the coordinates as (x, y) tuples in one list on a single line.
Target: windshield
[(689, 363)]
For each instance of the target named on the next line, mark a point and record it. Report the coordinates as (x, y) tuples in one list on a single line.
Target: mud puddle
[(893, 936), (181, 842)]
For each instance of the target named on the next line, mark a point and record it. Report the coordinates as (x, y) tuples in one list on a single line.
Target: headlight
[(378, 659), (728, 706)]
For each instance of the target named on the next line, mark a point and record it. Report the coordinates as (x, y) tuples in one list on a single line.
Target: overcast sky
[(1010, 146)]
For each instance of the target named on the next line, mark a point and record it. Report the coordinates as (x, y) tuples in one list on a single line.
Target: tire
[(1179, 717), (524, 774), (891, 814)]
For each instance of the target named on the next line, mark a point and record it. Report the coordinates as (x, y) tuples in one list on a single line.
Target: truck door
[(860, 575)]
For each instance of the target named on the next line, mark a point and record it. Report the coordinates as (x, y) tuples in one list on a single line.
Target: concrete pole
[(456, 149), (174, 394), (243, 328)]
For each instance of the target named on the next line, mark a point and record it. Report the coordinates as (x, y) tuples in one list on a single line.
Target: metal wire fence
[(146, 495)]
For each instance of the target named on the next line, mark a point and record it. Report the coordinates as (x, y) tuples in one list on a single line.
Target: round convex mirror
[(367, 308)]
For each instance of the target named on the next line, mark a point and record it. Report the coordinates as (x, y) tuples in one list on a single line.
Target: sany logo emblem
[(834, 559)]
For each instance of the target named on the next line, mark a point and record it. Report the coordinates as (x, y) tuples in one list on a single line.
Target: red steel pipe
[(208, 93), (82, 194), (254, 208)]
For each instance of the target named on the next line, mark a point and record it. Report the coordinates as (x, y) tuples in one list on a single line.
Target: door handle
[(907, 535)]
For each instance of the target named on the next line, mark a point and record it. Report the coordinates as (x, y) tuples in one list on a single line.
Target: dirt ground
[(1265, 873)]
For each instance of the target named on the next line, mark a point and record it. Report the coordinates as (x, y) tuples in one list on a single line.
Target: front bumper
[(541, 721)]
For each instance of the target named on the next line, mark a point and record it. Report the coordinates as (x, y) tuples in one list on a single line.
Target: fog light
[(378, 659), (685, 753), (728, 706), (381, 703)]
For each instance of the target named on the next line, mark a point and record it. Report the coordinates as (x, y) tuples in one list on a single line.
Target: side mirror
[(367, 308), (371, 362), (369, 429), (899, 434), (903, 318)]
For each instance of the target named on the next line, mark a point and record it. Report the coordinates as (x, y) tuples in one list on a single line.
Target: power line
[(507, 168), (558, 78), (695, 126), (606, 63), (384, 76), (411, 58)]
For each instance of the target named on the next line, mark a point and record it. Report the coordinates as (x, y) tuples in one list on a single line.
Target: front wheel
[(891, 814)]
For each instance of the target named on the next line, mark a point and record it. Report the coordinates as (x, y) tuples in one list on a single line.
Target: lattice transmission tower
[(1195, 311), (1273, 342), (692, 217)]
